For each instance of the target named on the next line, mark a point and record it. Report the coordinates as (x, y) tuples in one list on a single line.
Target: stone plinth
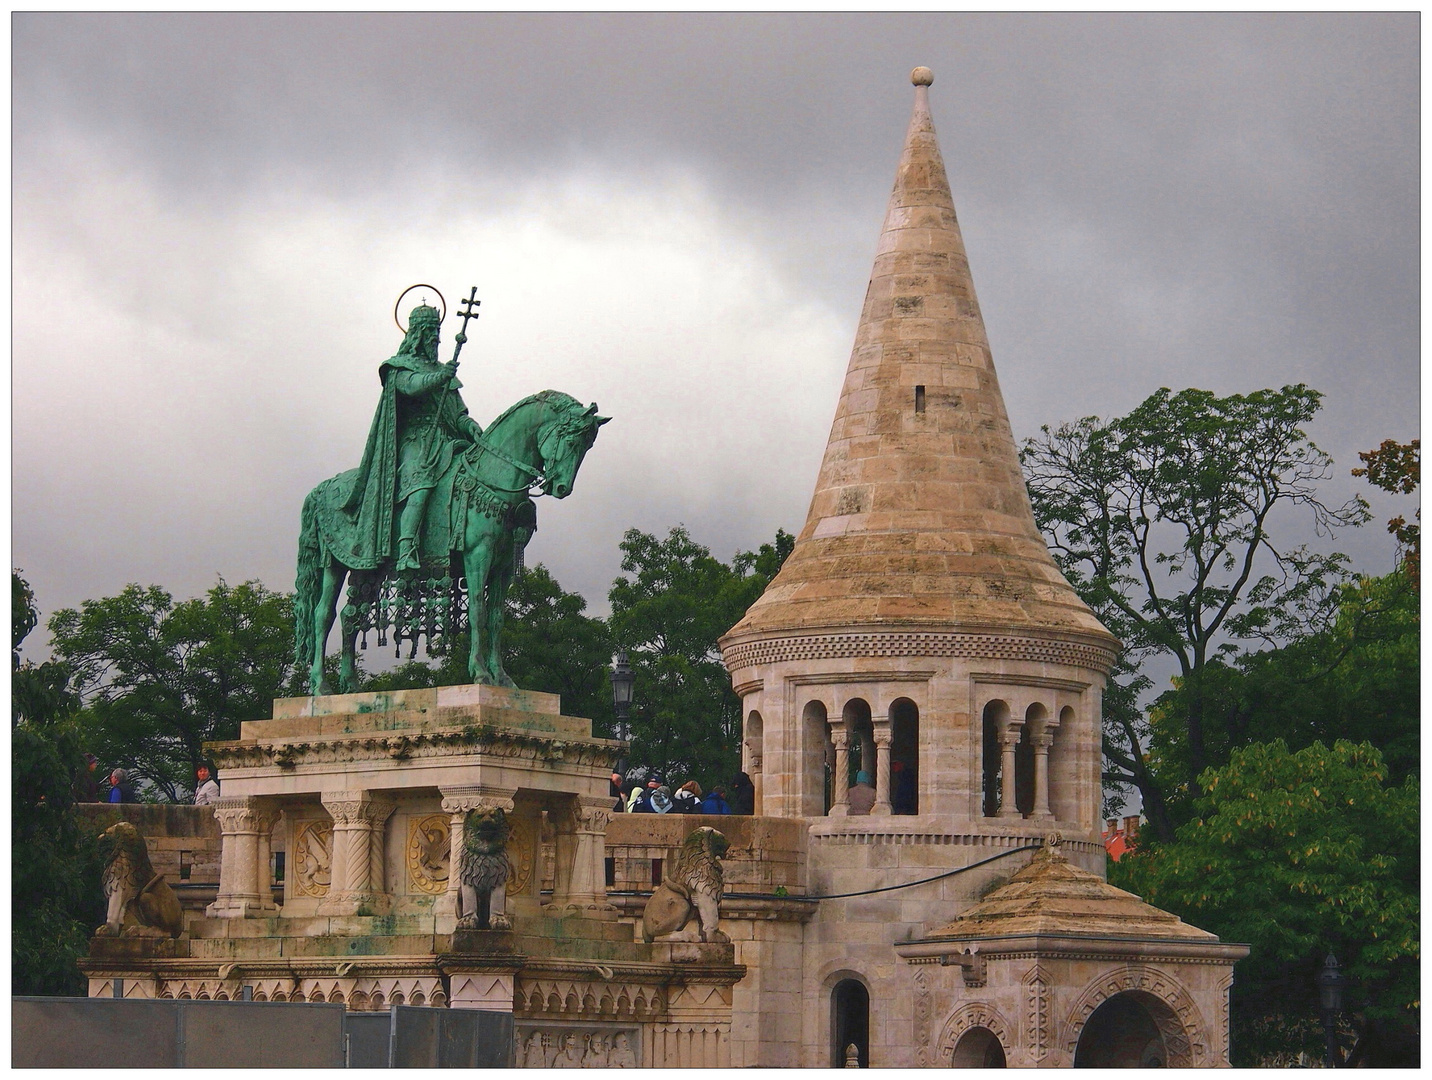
[(370, 788)]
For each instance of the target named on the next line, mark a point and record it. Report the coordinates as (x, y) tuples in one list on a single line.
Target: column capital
[(245, 813), (356, 807), (839, 737), (1041, 740), (460, 800), (882, 737)]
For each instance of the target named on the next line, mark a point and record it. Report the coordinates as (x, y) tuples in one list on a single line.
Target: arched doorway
[(979, 1048), (1132, 1030), (904, 757), (849, 1022)]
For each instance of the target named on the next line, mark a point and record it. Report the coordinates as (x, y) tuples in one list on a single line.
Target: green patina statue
[(435, 500)]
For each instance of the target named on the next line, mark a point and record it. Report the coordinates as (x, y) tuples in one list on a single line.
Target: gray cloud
[(224, 207)]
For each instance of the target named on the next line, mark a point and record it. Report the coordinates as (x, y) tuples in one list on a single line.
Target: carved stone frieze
[(840, 646), (462, 742)]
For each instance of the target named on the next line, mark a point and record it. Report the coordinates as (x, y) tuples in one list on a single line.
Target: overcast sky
[(675, 217)]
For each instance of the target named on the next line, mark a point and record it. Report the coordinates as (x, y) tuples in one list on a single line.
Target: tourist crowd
[(640, 791)]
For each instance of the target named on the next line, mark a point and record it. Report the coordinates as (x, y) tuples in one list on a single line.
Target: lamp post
[(1330, 997), (623, 680)]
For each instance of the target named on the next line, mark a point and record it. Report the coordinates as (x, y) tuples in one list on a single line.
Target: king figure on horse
[(433, 492)]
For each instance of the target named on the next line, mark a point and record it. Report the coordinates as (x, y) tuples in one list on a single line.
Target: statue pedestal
[(367, 790)]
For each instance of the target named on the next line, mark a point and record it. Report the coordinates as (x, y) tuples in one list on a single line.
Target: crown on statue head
[(423, 315)]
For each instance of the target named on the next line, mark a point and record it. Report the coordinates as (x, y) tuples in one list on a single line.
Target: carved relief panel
[(608, 1046), (312, 857), (428, 857)]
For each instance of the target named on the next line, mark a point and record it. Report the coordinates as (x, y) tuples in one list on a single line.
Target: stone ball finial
[(922, 76)]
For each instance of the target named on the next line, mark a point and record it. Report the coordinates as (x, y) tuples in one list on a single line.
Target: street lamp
[(1330, 996), (623, 679)]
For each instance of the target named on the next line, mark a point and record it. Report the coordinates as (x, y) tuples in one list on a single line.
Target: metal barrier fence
[(111, 1033)]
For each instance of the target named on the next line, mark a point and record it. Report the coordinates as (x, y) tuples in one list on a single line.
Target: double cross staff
[(467, 314)]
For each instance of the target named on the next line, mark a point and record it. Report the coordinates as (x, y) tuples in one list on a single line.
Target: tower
[(920, 637), (920, 629)]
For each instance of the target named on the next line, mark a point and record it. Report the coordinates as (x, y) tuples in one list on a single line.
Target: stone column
[(882, 771), (754, 772), (840, 790), (1008, 740), (357, 857), (458, 801), (242, 820), (264, 821), (1041, 738), (586, 892)]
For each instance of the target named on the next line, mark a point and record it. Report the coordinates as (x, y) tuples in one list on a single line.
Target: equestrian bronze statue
[(431, 525)]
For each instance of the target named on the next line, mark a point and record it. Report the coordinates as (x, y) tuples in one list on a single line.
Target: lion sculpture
[(482, 872), (693, 888), (141, 903)]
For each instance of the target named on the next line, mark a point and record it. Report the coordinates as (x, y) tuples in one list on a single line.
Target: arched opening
[(860, 733), (996, 715), (1132, 1030), (1063, 783), (755, 752), (815, 755), (849, 1022), (979, 1048), (1024, 779), (904, 757)]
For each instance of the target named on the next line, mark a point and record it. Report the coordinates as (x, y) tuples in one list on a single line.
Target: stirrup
[(408, 555)]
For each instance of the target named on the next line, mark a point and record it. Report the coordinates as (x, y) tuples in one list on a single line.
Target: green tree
[(551, 644), (54, 887), (1397, 467), (158, 679), (1298, 854), (1161, 520), (675, 601), (1358, 679)]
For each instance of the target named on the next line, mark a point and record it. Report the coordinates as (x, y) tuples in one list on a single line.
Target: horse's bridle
[(522, 466)]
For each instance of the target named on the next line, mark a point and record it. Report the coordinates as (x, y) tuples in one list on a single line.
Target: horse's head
[(564, 440)]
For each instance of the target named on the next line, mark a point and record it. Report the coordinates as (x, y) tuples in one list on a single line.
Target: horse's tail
[(310, 581)]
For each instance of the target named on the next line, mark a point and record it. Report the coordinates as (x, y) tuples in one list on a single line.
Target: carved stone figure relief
[(428, 854), (521, 852), (312, 858), (577, 1048)]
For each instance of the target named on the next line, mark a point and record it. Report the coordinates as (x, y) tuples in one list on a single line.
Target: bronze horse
[(481, 510)]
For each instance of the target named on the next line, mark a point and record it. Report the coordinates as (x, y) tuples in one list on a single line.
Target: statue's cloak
[(357, 516), (356, 510)]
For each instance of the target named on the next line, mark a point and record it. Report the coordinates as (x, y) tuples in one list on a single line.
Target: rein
[(526, 489)]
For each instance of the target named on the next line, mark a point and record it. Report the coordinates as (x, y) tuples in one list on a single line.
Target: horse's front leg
[(327, 611), (497, 586), (477, 563)]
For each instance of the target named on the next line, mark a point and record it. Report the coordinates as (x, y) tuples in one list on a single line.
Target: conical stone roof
[(1051, 896), (920, 515)]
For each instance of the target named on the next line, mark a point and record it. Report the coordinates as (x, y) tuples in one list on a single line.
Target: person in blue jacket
[(715, 802)]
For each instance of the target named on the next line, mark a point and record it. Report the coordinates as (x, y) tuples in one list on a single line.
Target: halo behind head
[(442, 315)]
